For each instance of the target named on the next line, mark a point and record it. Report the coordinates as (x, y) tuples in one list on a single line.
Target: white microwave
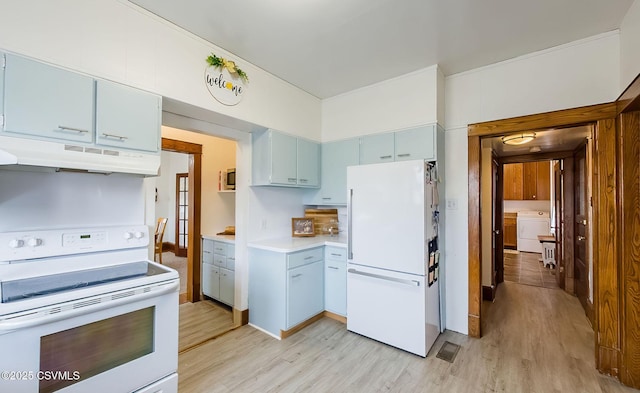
[(230, 183)]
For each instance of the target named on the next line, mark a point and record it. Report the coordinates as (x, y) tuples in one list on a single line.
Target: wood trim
[(554, 119), (181, 146), (535, 157), (167, 246), (194, 245), (335, 317), (475, 241), (488, 293), (177, 250), (240, 317), (287, 333), (605, 254), (629, 100), (629, 227)]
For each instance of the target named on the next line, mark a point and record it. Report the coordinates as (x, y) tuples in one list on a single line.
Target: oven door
[(117, 342)]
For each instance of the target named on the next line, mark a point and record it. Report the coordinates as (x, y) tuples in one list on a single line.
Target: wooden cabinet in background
[(530, 181), (510, 230), (512, 181), (536, 181)]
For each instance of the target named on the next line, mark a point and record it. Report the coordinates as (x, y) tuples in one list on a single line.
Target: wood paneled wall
[(605, 237), (629, 229)]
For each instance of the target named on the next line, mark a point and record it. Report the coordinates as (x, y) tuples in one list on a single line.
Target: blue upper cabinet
[(335, 158), (283, 160), (416, 143), (127, 117), (308, 161), (47, 102), (376, 148)]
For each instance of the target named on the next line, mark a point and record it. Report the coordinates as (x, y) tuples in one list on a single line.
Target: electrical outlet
[(452, 204)]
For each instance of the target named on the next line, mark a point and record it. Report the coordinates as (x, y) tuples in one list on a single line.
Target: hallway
[(526, 268)]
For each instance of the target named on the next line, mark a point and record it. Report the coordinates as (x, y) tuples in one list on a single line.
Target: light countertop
[(291, 244), (221, 238)]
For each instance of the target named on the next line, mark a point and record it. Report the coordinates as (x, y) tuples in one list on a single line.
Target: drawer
[(207, 245), (304, 257), (231, 263), (231, 251), (219, 260), (335, 254), (220, 248)]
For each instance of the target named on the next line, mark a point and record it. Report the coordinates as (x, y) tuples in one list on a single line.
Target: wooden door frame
[(194, 245), (603, 116)]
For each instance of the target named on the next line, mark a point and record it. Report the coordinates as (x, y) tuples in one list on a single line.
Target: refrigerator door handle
[(350, 225), (413, 283)]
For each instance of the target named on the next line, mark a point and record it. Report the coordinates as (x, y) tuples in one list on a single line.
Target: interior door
[(182, 214), (581, 262), (557, 222), (497, 188)]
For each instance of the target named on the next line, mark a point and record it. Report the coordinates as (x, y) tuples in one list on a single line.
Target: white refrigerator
[(393, 255)]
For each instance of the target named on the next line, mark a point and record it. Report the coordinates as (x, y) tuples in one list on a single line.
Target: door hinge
[(2, 120), (4, 61)]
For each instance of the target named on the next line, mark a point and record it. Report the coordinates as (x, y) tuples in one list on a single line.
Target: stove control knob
[(138, 235), (34, 242), (128, 235), (16, 243)]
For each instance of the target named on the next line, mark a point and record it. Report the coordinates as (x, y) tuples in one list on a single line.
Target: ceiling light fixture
[(519, 139)]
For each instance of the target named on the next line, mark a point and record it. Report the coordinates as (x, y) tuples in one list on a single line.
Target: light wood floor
[(536, 340), (526, 268), (202, 321)]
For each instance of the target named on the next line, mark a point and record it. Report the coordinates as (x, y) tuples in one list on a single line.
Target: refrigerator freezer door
[(388, 307), (387, 216)]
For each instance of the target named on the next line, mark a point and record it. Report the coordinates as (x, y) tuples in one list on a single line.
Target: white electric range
[(84, 310)]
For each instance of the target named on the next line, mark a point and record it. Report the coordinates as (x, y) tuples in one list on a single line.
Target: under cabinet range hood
[(33, 154)]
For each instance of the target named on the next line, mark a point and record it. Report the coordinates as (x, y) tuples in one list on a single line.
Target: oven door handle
[(78, 307)]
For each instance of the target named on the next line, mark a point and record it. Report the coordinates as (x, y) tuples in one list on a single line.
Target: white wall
[(581, 73), (116, 40), (630, 46), (406, 101), (39, 200)]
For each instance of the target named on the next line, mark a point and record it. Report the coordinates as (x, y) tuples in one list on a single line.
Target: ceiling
[(328, 47), (547, 141)]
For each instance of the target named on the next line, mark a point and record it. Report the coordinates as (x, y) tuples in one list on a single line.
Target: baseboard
[(488, 293), (286, 333), (336, 317), (240, 317)]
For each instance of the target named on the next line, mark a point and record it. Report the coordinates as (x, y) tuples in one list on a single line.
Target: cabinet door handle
[(326, 198), (304, 181), (309, 257), (292, 179), (119, 137), (581, 238), (404, 155), (385, 157), (332, 267), (80, 130), (296, 275), (335, 255)]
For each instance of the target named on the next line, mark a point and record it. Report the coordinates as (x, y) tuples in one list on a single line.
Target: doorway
[(604, 224), (181, 214)]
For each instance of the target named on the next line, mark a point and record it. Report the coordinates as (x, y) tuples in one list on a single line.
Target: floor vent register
[(448, 351)]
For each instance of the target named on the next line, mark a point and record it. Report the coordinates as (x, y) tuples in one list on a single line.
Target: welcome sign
[(225, 81)]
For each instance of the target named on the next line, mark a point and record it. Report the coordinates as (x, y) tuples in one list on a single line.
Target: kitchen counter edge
[(221, 238), (292, 244)]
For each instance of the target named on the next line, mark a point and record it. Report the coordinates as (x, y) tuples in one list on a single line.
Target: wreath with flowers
[(229, 65)]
